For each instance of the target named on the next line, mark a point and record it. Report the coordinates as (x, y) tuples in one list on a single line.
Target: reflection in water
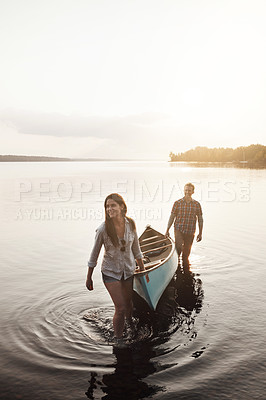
[(176, 310), (132, 365), (219, 164), (177, 307), (189, 290)]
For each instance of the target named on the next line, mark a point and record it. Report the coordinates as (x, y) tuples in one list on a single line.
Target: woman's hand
[(138, 269), (89, 283), (140, 266)]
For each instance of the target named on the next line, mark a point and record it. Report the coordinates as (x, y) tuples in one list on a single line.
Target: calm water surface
[(208, 344)]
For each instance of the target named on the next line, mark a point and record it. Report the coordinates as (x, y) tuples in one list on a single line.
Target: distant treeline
[(252, 153), (18, 158), (13, 158)]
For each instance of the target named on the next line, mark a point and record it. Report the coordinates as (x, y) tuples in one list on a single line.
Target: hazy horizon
[(104, 158)]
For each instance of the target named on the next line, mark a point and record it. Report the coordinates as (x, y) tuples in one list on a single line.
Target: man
[(185, 213)]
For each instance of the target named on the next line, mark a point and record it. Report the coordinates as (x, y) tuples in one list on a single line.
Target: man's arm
[(200, 222), (170, 222)]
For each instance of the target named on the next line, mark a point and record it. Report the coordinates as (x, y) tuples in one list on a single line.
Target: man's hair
[(191, 185)]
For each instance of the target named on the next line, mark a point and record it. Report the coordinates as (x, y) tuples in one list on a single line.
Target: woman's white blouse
[(116, 263)]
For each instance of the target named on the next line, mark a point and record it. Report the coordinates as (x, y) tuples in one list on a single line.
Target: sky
[(131, 79)]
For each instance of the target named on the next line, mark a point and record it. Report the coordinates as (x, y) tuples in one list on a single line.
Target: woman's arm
[(93, 258), (137, 252), (136, 247), (140, 264), (89, 281)]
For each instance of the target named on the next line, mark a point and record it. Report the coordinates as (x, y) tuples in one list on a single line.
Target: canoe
[(160, 260)]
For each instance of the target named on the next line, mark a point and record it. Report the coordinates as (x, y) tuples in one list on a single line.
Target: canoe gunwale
[(148, 270)]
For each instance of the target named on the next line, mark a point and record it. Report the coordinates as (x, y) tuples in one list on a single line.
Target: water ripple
[(52, 330)]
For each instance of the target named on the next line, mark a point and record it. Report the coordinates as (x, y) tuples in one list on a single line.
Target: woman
[(119, 237)]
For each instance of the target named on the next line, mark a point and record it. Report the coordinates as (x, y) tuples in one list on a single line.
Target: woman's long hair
[(109, 225)]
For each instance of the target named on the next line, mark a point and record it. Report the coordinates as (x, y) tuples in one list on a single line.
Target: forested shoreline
[(19, 158), (255, 153)]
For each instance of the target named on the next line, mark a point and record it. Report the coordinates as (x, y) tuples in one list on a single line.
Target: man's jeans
[(183, 244)]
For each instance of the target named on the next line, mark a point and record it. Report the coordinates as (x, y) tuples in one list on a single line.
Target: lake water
[(211, 345)]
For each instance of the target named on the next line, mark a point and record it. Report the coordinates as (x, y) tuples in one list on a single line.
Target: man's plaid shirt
[(186, 215)]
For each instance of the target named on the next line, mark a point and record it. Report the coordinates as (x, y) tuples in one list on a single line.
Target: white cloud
[(136, 136), (56, 124), (14, 142)]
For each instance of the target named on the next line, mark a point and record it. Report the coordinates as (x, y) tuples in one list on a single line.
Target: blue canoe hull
[(151, 284)]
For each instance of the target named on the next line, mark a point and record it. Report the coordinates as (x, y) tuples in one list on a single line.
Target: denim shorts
[(108, 279)]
